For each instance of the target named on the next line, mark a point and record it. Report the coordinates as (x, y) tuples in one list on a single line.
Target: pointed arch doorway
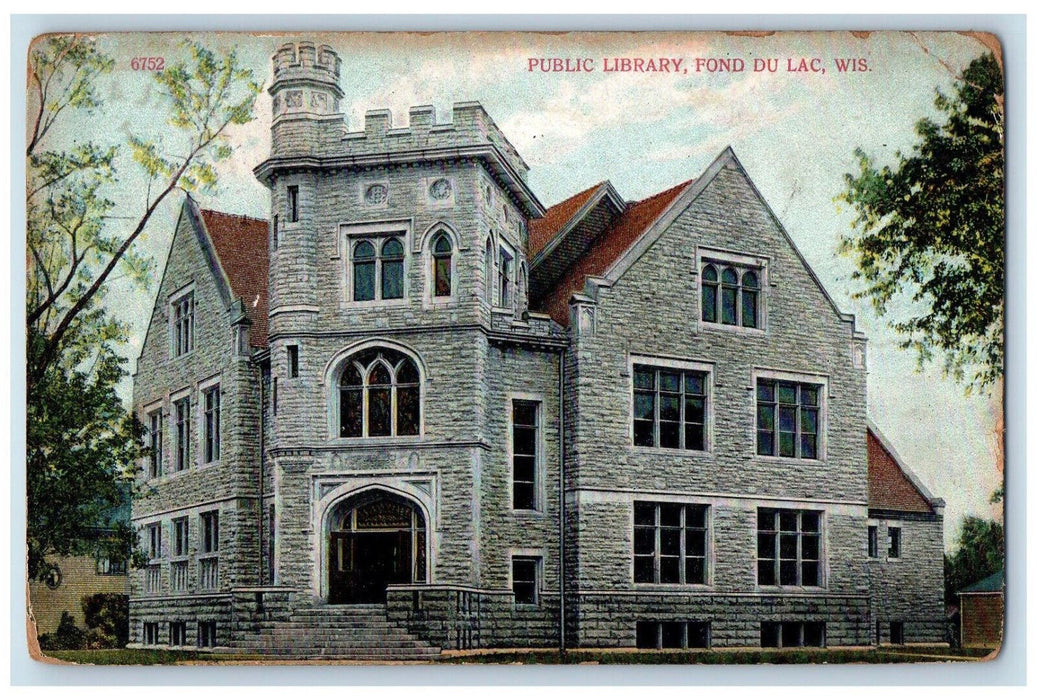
[(375, 539)]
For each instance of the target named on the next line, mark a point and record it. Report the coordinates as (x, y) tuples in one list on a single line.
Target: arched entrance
[(375, 539)]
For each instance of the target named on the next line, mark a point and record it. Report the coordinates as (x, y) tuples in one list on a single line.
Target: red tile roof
[(889, 488), (241, 244), (609, 246), (555, 218)]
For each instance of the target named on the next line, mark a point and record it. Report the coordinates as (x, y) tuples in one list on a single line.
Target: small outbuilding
[(983, 612)]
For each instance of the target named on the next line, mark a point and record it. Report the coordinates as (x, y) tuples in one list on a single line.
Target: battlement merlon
[(304, 60), (471, 133)]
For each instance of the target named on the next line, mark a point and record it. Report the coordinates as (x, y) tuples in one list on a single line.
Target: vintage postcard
[(515, 347)]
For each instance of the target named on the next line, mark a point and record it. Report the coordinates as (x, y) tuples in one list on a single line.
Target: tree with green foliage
[(930, 230), (980, 552), (82, 444)]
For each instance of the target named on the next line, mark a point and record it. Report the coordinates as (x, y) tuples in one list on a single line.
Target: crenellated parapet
[(306, 80), (470, 126)]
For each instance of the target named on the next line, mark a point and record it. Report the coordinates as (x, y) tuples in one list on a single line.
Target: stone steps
[(361, 632)]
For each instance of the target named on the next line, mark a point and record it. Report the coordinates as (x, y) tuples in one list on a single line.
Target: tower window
[(293, 203)]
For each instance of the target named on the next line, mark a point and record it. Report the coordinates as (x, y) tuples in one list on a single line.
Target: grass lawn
[(145, 657)]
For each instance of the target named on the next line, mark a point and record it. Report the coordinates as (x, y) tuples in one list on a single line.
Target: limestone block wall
[(909, 588)]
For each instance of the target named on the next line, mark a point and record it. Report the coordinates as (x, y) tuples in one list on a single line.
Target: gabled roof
[(891, 485), (609, 246), (241, 244), (995, 583), (556, 217)]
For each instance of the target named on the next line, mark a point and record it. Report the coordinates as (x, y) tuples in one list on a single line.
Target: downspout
[(262, 452), (561, 501)]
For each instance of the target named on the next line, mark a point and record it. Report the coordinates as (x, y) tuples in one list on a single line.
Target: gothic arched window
[(363, 271), (709, 294), (392, 269), (731, 295), (379, 395), (377, 269), (442, 260)]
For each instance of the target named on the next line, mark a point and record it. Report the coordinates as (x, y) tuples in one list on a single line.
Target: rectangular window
[(273, 396), (206, 633), (178, 633), (210, 541), (525, 442), (792, 634), (525, 579), (211, 424), (787, 418), (180, 542), (182, 418), (154, 541), (894, 542), (293, 361), (183, 324), (672, 635), (155, 443), (873, 541), (271, 540), (293, 203), (670, 543), (896, 632), (150, 633), (111, 567), (669, 408), (788, 547), (275, 236)]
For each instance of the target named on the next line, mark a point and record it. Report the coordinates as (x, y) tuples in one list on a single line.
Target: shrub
[(107, 615), (67, 636)]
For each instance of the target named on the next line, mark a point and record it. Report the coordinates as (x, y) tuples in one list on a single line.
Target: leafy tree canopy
[(930, 230), (82, 444), (980, 553)]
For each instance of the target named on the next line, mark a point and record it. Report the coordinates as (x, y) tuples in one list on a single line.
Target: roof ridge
[(239, 216)]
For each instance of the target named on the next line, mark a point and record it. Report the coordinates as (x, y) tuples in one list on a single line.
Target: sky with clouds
[(794, 132)]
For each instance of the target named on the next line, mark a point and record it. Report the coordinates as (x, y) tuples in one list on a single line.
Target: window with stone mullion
[(669, 543), (787, 419), (669, 408), (788, 548)]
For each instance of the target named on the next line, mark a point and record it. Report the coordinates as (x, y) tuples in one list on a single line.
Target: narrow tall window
[(750, 298), (488, 272), (787, 419), (524, 579), (729, 296), (710, 291), (293, 361), (504, 276), (180, 545), (873, 541), (182, 448), (363, 271), (155, 541), (210, 540), (211, 424), (293, 203), (525, 439), (896, 632), (183, 324), (442, 254), (155, 443), (392, 269), (788, 547), (894, 542), (669, 408), (276, 234), (670, 543)]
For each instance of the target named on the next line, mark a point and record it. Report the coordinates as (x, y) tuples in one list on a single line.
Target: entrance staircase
[(357, 632)]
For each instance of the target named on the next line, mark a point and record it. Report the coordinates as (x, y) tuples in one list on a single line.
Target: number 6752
[(147, 63)]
